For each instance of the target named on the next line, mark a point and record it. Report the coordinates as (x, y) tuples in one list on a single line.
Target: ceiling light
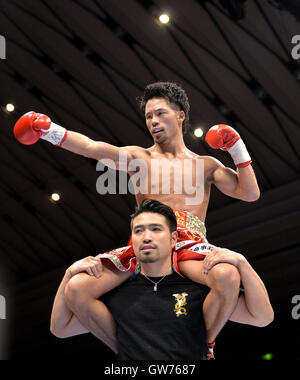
[(10, 107), (198, 132), (164, 18), (55, 197)]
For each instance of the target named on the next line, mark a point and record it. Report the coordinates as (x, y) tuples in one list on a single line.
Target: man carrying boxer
[(166, 110), (159, 314)]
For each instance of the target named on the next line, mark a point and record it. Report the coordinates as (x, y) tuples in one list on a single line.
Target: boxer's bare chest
[(180, 181)]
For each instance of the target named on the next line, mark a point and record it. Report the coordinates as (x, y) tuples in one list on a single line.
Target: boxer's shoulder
[(136, 151), (211, 164), (208, 160)]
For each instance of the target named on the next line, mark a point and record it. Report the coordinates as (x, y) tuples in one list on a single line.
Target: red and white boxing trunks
[(191, 244)]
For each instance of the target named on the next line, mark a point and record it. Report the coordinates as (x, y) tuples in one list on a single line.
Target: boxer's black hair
[(150, 205), (170, 91)]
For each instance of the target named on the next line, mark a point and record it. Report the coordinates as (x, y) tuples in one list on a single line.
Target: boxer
[(166, 108)]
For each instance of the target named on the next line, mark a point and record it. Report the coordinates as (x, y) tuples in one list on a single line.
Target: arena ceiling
[(84, 62)]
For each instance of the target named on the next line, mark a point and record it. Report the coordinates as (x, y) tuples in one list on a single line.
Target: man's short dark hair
[(150, 205), (170, 91)]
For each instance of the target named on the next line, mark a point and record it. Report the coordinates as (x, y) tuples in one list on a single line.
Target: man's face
[(163, 119), (152, 239)]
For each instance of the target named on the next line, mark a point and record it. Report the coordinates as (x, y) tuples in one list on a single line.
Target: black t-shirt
[(163, 325)]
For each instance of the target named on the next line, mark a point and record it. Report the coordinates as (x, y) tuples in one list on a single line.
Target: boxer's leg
[(82, 293), (224, 283)]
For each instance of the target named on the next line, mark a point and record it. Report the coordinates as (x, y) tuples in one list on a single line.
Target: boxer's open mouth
[(156, 131)]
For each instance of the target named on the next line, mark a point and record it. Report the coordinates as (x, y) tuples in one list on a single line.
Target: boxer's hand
[(224, 137), (91, 265), (221, 255), (32, 126), (24, 130)]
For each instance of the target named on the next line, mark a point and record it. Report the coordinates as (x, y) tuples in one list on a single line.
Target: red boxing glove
[(24, 131), (224, 137), (32, 126)]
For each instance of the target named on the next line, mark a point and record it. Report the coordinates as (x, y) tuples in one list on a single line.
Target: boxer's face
[(152, 239), (163, 119)]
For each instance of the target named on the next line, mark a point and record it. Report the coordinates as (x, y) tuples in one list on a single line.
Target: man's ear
[(174, 238), (181, 116)]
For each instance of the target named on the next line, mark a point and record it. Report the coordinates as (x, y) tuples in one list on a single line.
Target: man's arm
[(63, 322), (240, 184), (32, 126), (98, 150), (253, 307)]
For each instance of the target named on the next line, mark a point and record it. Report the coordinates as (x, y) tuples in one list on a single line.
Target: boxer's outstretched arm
[(83, 145), (32, 126)]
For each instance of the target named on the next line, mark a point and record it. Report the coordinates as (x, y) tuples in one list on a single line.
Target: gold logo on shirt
[(181, 302)]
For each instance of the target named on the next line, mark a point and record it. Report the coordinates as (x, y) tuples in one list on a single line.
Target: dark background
[(84, 62)]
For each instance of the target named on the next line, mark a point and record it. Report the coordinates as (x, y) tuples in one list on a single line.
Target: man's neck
[(170, 147), (156, 270)]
